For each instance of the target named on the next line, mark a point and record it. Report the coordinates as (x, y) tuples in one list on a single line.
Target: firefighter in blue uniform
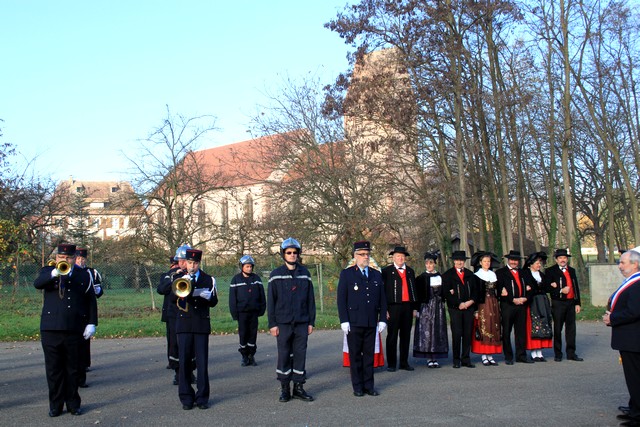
[(193, 326), (69, 315), (292, 314), (362, 307), (246, 303)]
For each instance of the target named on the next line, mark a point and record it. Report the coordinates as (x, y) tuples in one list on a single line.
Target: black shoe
[(75, 411), (627, 417), (557, 359), (541, 359), (245, 361), (631, 423), (508, 362), (83, 385), (299, 393), (456, 364), (358, 393), (54, 412), (203, 406), (372, 392), (576, 358), (187, 407), (407, 368), (624, 409), (390, 369), (524, 361), (285, 393), (252, 360)]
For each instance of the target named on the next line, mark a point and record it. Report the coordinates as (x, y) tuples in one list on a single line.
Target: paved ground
[(129, 385)]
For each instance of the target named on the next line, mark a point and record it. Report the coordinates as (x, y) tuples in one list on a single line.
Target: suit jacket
[(75, 309), (291, 297), (393, 285), (169, 308), (361, 300), (625, 320), (197, 319), (507, 282), (554, 274), (456, 291), (246, 295)]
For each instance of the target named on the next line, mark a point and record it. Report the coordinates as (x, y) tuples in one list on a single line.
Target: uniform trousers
[(84, 360), (248, 332), (631, 368), (564, 315), (292, 352), (514, 317), (61, 358), (461, 331), (172, 344), (362, 345), (190, 346), (400, 322)]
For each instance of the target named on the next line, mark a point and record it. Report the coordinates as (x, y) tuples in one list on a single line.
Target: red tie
[(515, 275)]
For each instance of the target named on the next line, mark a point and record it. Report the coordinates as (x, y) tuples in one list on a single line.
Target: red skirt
[(478, 347), (536, 343), (378, 357)]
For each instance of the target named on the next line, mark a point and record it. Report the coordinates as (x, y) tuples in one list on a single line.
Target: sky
[(82, 82)]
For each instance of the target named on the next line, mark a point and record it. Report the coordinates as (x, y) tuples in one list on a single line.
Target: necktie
[(364, 272)]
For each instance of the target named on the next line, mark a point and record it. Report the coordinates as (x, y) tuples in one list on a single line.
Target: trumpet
[(63, 267), (51, 263), (181, 287)]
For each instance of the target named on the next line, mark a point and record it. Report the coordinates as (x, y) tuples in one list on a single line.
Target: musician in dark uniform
[(291, 312), (402, 305), (623, 315), (460, 290), (69, 315), (193, 326), (170, 309), (513, 295), (85, 346), (562, 284), (362, 308), (247, 302)]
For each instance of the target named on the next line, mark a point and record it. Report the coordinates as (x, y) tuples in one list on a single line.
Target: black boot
[(245, 361), (285, 392), (299, 393), (251, 360)]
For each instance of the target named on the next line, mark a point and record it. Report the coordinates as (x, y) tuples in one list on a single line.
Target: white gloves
[(381, 326), (187, 276), (206, 294), (345, 327), (54, 272), (89, 331)]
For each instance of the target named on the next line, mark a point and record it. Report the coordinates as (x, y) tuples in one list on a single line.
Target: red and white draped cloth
[(630, 281)]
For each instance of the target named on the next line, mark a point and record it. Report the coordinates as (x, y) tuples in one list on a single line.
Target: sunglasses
[(291, 253)]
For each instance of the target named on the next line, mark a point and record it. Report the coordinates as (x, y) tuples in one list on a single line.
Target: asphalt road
[(129, 386)]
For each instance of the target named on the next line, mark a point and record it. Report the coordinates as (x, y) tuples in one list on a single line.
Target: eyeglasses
[(291, 253), (363, 254)]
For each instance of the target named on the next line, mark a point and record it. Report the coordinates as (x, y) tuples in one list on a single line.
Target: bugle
[(63, 268), (181, 287), (51, 263)]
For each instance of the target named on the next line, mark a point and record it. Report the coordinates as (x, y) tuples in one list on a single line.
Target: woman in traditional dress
[(539, 328), (430, 340), (487, 336)]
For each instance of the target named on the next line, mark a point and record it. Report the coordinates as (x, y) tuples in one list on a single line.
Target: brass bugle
[(63, 268), (51, 263), (181, 287)]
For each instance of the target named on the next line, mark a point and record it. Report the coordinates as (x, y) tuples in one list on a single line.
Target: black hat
[(194, 255), (66, 249), (400, 250), (431, 255), (459, 255), (534, 256), (82, 252), (477, 257), (513, 255), (362, 245), (560, 252)]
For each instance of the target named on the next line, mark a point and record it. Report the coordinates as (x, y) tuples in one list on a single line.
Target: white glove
[(187, 276), (89, 331), (98, 289), (381, 326), (206, 295), (54, 272), (345, 327)]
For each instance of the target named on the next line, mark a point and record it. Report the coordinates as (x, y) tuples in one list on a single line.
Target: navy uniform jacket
[(246, 295), (197, 320), (455, 291), (361, 300), (169, 307), (625, 320), (77, 307), (291, 298), (393, 285), (554, 274), (508, 282)]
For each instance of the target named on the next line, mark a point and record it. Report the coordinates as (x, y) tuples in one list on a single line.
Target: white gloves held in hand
[(345, 327), (382, 326), (89, 331), (206, 295)]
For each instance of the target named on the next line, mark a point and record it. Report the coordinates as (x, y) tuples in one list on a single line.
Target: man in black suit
[(193, 326), (562, 284), (623, 315), (460, 290), (512, 292), (69, 315), (400, 288), (362, 308)]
